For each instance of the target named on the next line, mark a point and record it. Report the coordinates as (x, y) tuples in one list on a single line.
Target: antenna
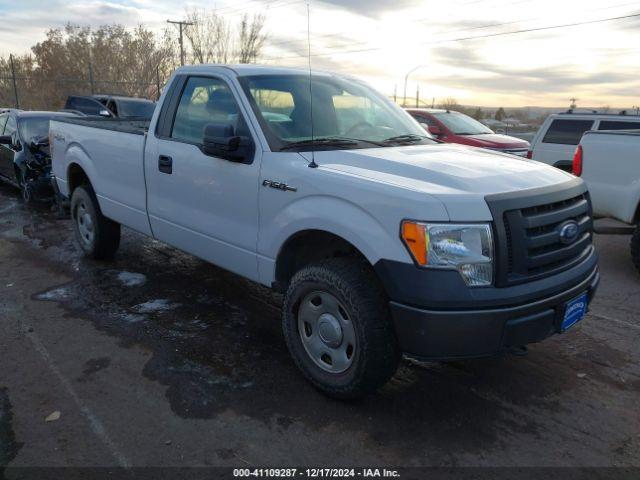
[(313, 163)]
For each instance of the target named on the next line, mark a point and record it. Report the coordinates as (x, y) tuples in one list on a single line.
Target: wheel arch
[(308, 246), (76, 176)]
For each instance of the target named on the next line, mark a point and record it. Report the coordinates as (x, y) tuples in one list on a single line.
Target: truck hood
[(496, 140), (459, 176)]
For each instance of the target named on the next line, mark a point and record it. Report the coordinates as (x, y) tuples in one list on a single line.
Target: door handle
[(165, 164)]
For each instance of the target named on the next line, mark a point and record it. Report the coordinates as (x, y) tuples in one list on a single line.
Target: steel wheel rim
[(327, 332), (85, 225)]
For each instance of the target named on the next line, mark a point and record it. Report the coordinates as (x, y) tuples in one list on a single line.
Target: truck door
[(7, 153), (202, 204)]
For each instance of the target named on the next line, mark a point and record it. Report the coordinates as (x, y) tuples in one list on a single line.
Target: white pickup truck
[(382, 240), (609, 161)]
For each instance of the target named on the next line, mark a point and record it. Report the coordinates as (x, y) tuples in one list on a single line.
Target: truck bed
[(137, 127), (610, 168)]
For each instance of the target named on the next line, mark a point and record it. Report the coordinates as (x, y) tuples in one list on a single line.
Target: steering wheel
[(357, 127)]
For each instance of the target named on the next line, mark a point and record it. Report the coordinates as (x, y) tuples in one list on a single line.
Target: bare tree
[(251, 38), (213, 39), (450, 103), (209, 37)]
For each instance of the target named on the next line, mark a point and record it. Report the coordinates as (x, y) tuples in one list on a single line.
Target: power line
[(480, 27), (268, 6), (462, 39)]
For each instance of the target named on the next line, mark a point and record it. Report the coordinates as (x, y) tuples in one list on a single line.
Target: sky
[(476, 51)]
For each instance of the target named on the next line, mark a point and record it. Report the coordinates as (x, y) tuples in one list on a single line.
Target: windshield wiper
[(328, 142), (407, 138)]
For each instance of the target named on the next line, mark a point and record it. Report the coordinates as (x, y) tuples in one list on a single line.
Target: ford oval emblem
[(569, 232)]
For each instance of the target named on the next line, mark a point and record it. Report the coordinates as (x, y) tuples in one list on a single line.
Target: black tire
[(102, 239), (375, 355), (635, 247)]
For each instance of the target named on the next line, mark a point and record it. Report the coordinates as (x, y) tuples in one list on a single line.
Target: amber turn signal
[(414, 237)]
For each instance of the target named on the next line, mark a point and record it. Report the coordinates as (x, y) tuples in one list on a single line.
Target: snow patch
[(157, 305), (133, 317), (54, 295), (132, 279)]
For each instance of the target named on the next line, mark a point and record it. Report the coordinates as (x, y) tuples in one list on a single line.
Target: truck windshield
[(35, 127), (349, 112), (461, 124)]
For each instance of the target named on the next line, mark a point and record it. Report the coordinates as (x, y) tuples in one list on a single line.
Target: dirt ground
[(159, 359)]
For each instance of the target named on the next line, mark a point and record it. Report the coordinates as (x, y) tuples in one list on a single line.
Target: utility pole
[(406, 79), (158, 82), (15, 85), (181, 26), (395, 93), (417, 95), (91, 78)]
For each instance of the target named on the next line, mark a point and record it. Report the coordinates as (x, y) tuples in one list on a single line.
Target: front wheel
[(337, 326), (98, 236)]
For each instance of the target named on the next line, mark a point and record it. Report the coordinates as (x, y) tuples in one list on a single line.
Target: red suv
[(456, 127)]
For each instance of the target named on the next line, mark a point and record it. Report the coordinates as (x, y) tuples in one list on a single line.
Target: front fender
[(333, 215)]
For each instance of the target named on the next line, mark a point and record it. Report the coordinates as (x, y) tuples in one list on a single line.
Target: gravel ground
[(159, 359)]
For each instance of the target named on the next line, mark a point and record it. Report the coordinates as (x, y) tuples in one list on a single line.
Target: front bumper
[(460, 328)]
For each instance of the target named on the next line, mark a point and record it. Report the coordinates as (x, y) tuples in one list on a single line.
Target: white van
[(560, 133)]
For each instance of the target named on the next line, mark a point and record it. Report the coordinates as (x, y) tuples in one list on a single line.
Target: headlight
[(465, 248)]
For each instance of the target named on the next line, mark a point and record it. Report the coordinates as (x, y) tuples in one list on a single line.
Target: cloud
[(371, 8)]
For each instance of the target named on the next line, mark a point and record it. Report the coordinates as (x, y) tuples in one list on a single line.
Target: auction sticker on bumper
[(576, 309)]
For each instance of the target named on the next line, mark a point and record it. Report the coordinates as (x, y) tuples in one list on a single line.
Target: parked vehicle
[(24, 151), (560, 133), (456, 127), (382, 240), (608, 162), (112, 106)]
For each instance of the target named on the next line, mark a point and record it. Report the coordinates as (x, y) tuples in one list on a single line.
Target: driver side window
[(203, 101), (3, 121)]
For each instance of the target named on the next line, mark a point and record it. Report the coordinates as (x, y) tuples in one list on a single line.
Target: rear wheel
[(337, 326), (98, 236)]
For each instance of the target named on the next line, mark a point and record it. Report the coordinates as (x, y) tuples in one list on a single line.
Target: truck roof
[(245, 70), (591, 115), (430, 110)]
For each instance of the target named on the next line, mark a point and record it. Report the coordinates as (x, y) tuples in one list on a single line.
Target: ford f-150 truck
[(382, 240), (607, 160)]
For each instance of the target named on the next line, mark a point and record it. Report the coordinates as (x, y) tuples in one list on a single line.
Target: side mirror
[(221, 141), (11, 141), (435, 130), (105, 113)]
